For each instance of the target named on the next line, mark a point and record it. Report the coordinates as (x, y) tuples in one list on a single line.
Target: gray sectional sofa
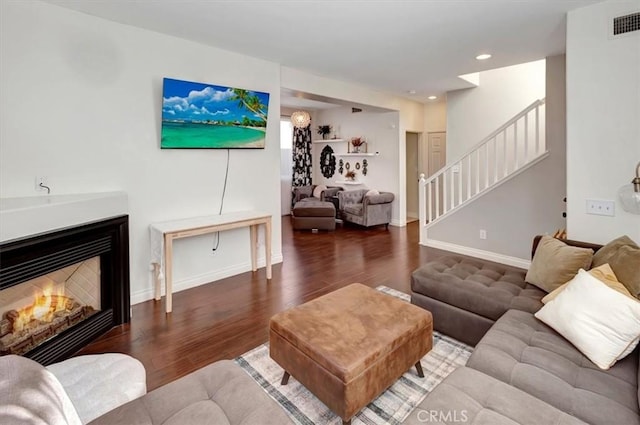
[(521, 371)]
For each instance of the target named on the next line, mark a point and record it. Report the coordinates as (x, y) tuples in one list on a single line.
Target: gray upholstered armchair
[(306, 192), (366, 210)]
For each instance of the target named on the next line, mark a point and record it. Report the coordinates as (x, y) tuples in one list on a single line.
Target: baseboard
[(193, 281), (479, 253), (397, 223)]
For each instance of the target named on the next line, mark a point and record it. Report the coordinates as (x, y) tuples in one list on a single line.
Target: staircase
[(508, 151)]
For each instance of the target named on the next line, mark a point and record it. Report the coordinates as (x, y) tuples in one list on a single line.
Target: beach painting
[(205, 116)]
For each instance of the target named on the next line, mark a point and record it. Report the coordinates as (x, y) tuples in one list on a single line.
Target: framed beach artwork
[(206, 116)]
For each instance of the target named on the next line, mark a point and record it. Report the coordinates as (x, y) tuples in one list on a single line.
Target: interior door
[(437, 151), (412, 175)]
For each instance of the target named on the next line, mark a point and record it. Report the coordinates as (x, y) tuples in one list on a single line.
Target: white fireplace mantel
[(28, 216)]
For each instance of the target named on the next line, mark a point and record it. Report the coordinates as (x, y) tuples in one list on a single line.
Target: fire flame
[(42, 309)]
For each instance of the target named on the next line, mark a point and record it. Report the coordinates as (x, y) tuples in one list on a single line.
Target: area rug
[(391, 407)]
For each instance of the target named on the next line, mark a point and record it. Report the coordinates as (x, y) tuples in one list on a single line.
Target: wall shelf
[(349, 182), (355, 154), (328, 140)]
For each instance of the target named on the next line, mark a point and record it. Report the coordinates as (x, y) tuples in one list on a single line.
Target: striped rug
[(391, 407)]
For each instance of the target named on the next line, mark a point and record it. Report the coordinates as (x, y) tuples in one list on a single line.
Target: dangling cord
[(224, 190)]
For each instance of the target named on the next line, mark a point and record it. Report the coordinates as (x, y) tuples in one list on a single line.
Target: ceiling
[(393, 46)]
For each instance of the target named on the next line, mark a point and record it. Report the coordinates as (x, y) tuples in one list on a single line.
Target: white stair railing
[(502, 154)]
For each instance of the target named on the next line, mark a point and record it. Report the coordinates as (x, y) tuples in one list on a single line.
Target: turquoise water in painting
[(190, 135)]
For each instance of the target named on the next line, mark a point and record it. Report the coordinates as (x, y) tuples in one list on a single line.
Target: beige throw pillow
[(604, 274), (626, 266), (604, 254), (556, 263)]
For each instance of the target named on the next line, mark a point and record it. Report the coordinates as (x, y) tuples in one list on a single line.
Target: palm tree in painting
[(250, 101)]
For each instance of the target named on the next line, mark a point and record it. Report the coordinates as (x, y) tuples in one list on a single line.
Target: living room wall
[(81, 100), (603, 129), (529, 204), (473, 114), (410, 118), (380, 131)]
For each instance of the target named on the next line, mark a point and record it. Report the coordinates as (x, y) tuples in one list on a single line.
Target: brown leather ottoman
[(348, 346), (309, 214)]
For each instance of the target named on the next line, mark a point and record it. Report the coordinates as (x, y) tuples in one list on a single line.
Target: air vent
[(354, 110), (626, 23)]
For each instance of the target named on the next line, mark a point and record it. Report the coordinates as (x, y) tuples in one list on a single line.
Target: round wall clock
[(327, 162)]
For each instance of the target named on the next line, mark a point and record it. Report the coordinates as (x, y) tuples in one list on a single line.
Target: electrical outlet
[(41, 182), (598, 207), (483, 234)]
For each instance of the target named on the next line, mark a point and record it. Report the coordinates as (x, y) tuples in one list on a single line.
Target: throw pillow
[(372, 192), (317, 192), (604, 274), (623, 255), (555, 263), (604, 254), (598, 321)]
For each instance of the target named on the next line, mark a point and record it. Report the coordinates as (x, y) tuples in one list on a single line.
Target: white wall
[(380, 132), (603, 125), (80, 104), (410, 118), (473, 114), (527, 205)]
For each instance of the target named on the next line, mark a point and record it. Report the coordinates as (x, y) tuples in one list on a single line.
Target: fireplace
[(59, 290)]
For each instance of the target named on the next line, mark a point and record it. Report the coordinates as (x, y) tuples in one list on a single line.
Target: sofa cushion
[(31, 395), (221, 393), (471, 397), (556, 263), (99, 383), (488, 290), (355, 209), (314, 208), (522, 351)]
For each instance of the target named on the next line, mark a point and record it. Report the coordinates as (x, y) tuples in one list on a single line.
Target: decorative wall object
[(357, 165), (341, 165), (206, 116), (324, 131), (347, 166), (357, 145), (365, 163), (327, 162)]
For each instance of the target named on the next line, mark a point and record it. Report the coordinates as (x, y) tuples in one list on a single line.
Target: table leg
[(253, 235), (267, 246), (168, 272), (156, 281), (285, 378), (419, 370)]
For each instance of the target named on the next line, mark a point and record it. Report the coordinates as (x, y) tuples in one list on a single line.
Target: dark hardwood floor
[(226, 318)]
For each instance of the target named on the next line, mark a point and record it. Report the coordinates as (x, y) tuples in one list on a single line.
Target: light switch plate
[(600, 207)]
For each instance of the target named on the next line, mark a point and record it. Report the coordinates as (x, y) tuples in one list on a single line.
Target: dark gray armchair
[(306, 192), (355, 206)]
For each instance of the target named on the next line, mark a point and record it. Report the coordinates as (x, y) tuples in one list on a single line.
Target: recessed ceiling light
[(412, 92), (483, 56), (432, 97)]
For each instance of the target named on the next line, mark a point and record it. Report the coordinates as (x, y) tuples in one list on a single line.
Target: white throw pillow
[(601, 322), (317, 191), (372, 192)]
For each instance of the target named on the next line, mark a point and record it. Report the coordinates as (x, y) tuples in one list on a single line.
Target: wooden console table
[(164, 233)]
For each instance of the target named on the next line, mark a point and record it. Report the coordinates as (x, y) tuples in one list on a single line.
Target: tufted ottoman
[(348, 346), (310, 214), (466, 296)]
